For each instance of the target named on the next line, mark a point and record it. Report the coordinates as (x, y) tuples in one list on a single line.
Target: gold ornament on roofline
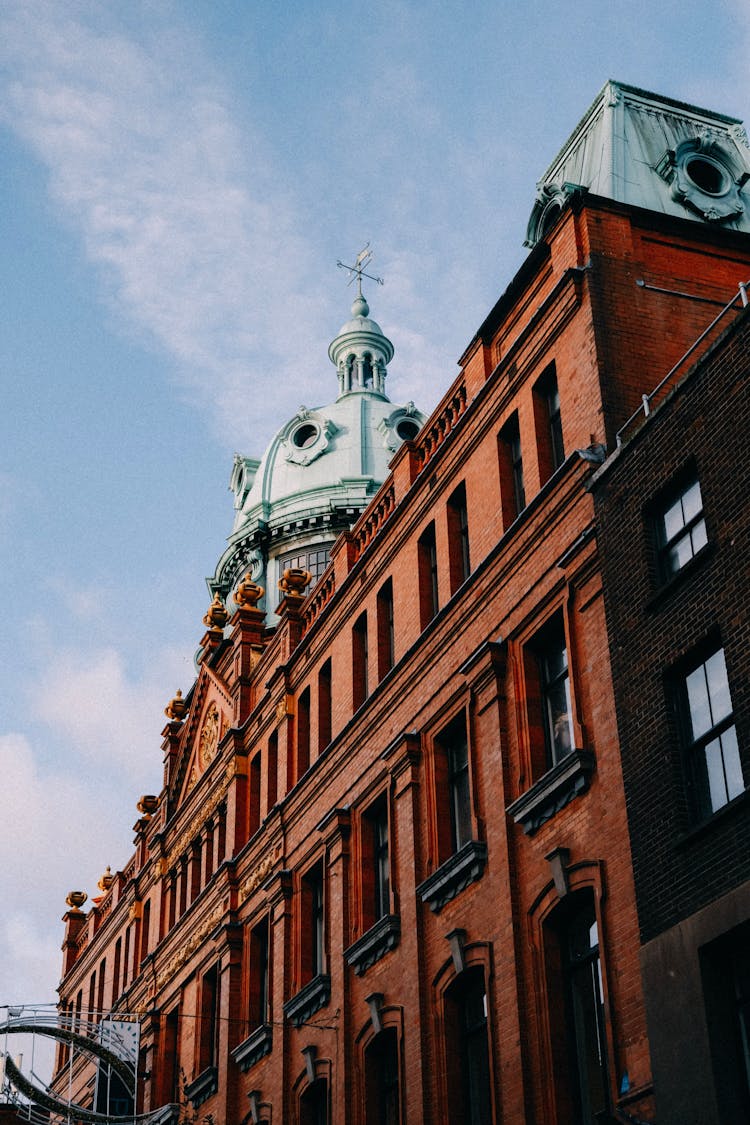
[(148, 804), (106, 880), (294, 581), (216, 616), (248, 593), (176, 708), (75, 900)]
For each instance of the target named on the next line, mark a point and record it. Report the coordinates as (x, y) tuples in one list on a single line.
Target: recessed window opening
[(707, 175), (711, 738), (454, 743), (577, 1024), (469, 1080), (551, 656), (681, 529), (367, 373), (428, 575), (305, 435), (407, 429)]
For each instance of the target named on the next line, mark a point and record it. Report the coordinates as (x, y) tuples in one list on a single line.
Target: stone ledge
[(464, 867), (374, 944), (568, 779), (258, 1044), (308, 1000), (201, 1088)]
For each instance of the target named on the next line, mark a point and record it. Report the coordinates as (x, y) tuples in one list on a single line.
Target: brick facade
[(508, 844), (692, 870)]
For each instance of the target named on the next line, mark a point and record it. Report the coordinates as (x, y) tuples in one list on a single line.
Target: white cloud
[(109, 714), (181, 210)]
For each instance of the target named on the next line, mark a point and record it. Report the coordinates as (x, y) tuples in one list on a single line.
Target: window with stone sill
[(559, 770), (315, 983), (512, 488), (706, 719), (380, 929), (461, 856), (548, 424), (680, 527)]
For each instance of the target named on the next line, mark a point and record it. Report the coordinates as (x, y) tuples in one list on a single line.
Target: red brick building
[(388, 877)]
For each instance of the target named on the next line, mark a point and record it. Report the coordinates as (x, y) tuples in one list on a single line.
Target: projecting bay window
[(709, 735), (458, 538), (427, 574)]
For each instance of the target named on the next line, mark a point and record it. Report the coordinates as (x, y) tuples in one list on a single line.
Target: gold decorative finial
[(216, 616), (106, 880), (248, 592), (75, 900), (176, 708), (294, 581), (148, 804)]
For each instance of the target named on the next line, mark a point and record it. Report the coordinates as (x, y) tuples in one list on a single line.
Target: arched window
[(382, 1079), (367, 372), (313, 1104), (469, 1083), (576, 1002)]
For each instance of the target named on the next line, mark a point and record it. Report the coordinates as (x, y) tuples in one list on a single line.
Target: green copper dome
[(321, 468)]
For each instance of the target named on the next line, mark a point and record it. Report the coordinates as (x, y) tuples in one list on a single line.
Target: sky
[(177, 183)]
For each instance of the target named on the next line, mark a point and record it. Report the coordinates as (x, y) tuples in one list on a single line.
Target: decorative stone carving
[(176, 709), (75, 900), (306, 436), (293, 582), (208, 740), (216, 615), (706, 176), (248, 593)]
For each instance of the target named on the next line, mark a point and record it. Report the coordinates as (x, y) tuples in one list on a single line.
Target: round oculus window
[(305, 435), (407, 429), (707, 175)]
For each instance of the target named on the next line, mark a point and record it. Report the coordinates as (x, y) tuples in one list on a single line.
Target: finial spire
[(358, 270)]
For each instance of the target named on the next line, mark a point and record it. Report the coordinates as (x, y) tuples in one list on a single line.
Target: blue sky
[(178, 182)]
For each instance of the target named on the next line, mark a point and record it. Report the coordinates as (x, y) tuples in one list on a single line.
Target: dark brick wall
[(680, 865)]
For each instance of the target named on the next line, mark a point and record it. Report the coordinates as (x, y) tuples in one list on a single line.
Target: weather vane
[(358, 269)]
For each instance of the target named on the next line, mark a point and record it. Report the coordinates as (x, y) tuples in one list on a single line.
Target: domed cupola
[(322, 467), (361, 353)]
